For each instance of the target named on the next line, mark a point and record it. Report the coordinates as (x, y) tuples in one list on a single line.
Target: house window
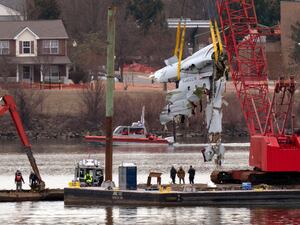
[(50, 46), (4, 47), (26, 72), (26, 47)]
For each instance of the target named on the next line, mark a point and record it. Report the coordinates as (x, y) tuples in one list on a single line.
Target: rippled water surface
[(56, 162)]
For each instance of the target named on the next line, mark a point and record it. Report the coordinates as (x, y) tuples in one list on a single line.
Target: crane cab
[(91, 166)]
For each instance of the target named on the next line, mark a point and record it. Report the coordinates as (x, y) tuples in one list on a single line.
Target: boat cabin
[(136, 128), (92, 167)]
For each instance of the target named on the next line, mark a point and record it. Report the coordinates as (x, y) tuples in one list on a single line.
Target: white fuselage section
[(197, 77)]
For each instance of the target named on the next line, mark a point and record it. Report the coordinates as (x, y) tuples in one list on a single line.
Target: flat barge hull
[(26, 195), (93, 196), (119, 140)]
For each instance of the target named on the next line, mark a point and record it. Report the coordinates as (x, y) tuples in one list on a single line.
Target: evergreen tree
[(145, 12), (268, 12), (49, 9)]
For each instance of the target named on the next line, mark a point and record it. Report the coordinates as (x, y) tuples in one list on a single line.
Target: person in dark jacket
[(191, 173), (33, 180), (181, 175), (173, 173)]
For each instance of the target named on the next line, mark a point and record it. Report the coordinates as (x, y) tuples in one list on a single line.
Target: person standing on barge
[(173, 173), (18, 180), (181, 175), (191, 173)]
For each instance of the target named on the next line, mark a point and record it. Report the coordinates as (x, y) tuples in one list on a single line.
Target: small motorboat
[(132, 135), (91, 167)]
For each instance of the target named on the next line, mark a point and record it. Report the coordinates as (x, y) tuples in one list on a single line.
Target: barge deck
[(247, 198)]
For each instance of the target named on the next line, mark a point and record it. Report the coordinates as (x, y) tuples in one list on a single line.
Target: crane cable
[(180, 36), (214, 29), (181, 51)]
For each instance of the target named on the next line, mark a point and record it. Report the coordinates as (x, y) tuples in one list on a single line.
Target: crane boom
[(247, 61), (10, 105), (273, 153)]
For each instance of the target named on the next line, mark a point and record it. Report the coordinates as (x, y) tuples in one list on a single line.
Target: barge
[(246, 198), (28, 195)]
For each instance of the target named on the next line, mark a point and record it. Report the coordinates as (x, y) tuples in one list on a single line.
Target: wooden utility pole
[(111, 31)]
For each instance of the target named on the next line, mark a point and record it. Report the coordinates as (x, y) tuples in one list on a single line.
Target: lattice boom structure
[(247, 62)]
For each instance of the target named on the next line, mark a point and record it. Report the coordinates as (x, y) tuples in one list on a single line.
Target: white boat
[(135, 134)]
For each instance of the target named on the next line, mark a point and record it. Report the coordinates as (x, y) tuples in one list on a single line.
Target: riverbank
[(58, 129), (65, 114)]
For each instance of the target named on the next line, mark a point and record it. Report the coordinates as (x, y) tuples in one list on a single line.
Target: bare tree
[(29, 102), (128, 107), (90, 54), (233, 117), (92, 101), (7, 69), (82, 17), (132, 44)]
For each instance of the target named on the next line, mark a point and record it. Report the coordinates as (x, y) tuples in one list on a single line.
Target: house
[(35, 50), (12, 10)]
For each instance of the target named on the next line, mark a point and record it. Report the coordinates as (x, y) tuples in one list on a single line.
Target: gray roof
[(18, 5), (40, 60), (45, 29)]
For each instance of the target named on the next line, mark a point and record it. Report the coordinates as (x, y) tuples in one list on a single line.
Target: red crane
[(8, 104), (274, 154)]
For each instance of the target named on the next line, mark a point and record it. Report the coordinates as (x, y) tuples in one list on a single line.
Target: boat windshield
[(122, 130)]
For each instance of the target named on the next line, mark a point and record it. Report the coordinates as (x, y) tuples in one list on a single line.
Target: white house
[(36, 50), (12, 10)]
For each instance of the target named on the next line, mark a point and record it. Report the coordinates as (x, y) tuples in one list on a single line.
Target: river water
[(56, 162)]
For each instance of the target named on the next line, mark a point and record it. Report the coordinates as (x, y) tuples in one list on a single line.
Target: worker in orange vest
[(19, 180)]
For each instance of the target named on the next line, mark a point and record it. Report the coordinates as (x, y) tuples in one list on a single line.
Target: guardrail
[(42, 86)]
